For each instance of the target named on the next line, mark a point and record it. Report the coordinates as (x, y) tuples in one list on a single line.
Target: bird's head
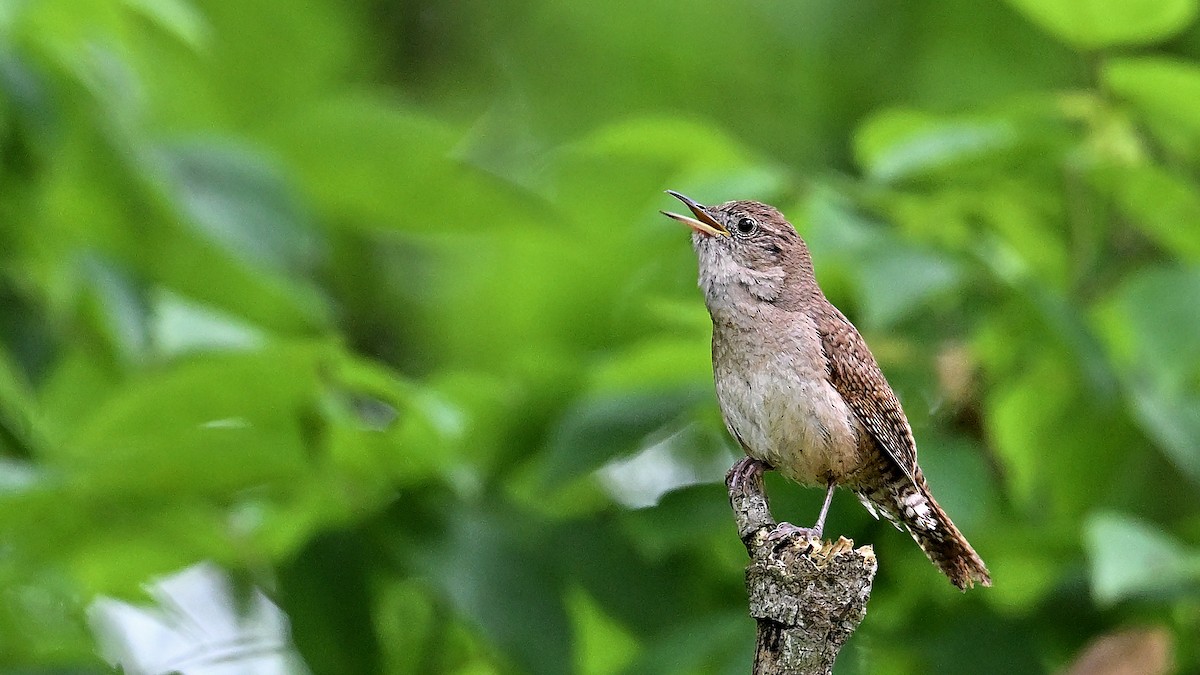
[(744, 246)]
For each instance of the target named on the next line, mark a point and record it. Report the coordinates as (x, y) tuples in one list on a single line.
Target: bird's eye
[(746, 225)]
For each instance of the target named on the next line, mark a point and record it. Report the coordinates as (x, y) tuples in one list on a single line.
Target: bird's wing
[(855, 375)]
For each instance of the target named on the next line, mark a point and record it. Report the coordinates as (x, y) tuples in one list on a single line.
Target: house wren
[(799, 389)]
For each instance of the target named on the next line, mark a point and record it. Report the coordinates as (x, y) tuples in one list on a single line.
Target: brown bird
[(799, 389)]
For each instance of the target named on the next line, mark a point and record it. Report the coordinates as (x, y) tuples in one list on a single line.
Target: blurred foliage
[(370, 305)]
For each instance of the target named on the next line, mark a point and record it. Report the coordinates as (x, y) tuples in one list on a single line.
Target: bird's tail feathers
[(914, 510), (947, 548)]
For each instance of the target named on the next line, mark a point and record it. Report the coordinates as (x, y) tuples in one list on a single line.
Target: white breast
[(775, 397)]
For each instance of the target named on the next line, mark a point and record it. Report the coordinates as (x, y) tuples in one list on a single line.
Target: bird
[(798, 388)]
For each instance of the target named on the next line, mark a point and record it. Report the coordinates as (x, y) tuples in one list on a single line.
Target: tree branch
[(808, 596)]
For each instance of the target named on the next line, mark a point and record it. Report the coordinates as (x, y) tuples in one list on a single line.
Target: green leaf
[(237, 200), (215, 424), (604, 645), (225, 231), (1067, 325), (1164, 205), (122, 309), (685, 518), (657, 361), (895, 281), (179, 326), (698, 645), (1038, 568), (900, 144), (1094, 24), (1153, 330), (604, 177), (1165, 91), (958, 473), (393, 432), (44, 614), (674, 139), (22, 431), (689, 456), (1153, 322), (1025, 216), (373, 164), (178, 17), (603, 426), (327, 591), (241, 75), (612, 564), (405, 621), (1045, 422), (118, 553), (1131, 558), (1173, 420), (482, 564)]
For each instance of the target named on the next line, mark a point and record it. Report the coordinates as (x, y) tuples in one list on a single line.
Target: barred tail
[(914, 509), (947, 548)]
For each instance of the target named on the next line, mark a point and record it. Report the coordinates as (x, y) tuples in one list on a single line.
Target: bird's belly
[(800, 425)]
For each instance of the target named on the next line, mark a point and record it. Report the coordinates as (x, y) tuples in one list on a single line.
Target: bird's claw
[(746, 469), (787, 531)]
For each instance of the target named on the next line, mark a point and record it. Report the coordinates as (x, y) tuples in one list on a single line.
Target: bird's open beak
[(702, 223)]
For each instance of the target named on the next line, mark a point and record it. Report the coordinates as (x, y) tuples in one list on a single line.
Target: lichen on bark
[(807, 596)]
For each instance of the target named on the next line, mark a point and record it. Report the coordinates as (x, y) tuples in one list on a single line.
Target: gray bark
[(807, 596)]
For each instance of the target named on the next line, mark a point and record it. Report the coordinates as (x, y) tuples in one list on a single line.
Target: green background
[(370, 304)]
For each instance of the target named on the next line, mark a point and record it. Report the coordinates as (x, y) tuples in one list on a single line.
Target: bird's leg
[(746, 477), (783, 530), (820, 526)]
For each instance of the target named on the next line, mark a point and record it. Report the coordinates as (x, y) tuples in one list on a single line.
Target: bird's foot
[(747, 497), (746, 470), (785, 531)]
